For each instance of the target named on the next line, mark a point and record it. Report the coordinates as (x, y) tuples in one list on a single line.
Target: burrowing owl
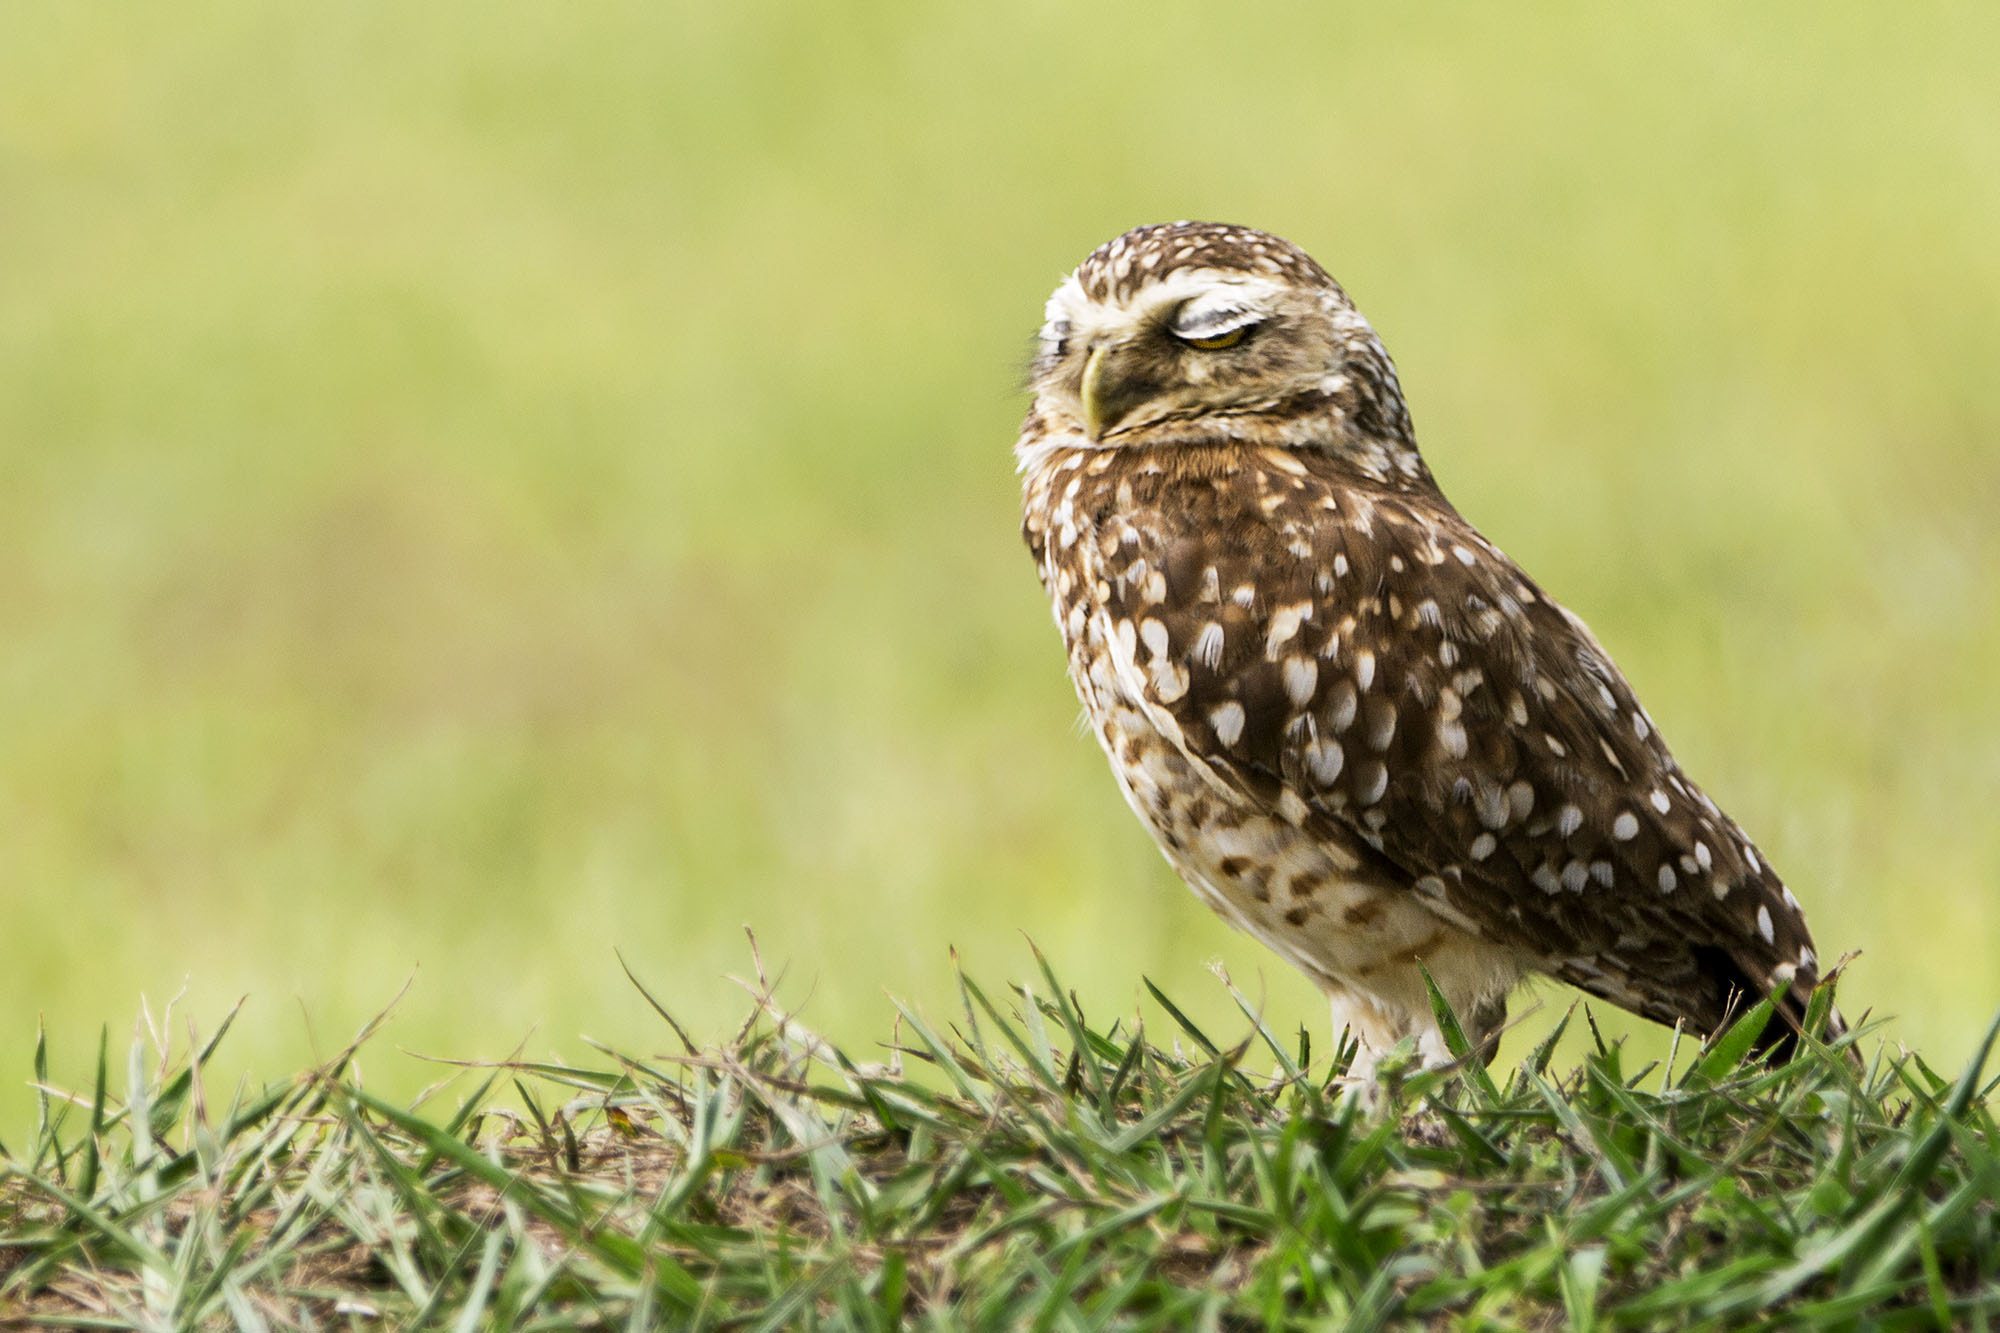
[(1355, 727)]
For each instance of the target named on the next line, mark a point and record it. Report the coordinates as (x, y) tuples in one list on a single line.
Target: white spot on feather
[(1341, 705), (1301, 679), (1170, 680), (1208, 645), (1227, 719), (1283, 625), (1324, 759)]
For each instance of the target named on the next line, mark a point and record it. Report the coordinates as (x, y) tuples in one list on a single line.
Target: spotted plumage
[(1355, 727)]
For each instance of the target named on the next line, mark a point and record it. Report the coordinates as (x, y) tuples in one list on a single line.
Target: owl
[(1356, 729)]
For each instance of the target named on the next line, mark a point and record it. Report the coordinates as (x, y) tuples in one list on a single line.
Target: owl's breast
[(1307, 895)]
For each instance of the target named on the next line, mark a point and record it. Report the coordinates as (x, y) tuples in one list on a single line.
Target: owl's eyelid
[(1222, 335), (1214, 324)]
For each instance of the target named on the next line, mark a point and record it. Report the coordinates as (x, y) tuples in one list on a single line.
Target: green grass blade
[(1474, 1064), (1725, 1055)]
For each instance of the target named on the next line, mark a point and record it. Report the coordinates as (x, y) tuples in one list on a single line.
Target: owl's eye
[(1210, 325), (1227, 338)]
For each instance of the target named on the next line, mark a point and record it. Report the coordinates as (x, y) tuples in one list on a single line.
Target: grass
[(1024, 1167)]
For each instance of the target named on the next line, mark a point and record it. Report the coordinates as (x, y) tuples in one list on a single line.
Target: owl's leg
[(1474, 978), (1480, 1018), (1373, 1029), (1482, 1024), (1378, 1022)]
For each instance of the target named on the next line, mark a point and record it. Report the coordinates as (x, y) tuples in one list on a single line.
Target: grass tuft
[(1018, 1167)]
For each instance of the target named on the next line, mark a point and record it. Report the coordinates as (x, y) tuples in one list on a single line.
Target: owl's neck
[(1217, 446), (1362, 420)]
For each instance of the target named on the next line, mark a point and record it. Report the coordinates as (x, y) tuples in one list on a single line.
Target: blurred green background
[(481, 485)]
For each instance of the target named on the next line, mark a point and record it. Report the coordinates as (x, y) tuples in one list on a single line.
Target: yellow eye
[(1220, 341)]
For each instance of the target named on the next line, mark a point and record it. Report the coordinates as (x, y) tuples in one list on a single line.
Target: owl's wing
[(1365, 663)]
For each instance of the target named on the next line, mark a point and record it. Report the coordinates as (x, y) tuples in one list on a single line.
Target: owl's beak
[(1092, 392), (1114, 385)]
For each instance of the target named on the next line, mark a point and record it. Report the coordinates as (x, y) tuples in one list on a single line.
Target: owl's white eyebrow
[(1191, 284), (1091, 319)]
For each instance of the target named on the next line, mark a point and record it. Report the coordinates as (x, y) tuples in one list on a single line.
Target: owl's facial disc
[(1197, 341)]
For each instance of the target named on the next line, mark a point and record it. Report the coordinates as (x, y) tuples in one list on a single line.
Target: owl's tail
[(1792, 1015)]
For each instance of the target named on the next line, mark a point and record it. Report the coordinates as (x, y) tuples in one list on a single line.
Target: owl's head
[(1200, 331)]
